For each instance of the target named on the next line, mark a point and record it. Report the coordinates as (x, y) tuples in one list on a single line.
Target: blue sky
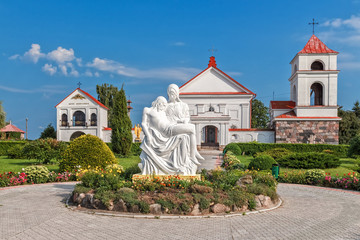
[(47, 47)]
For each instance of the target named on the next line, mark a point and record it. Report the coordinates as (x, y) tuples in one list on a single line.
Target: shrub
[(238, 197), (37, 174), (263, 162), (44, 150), (230, 161), (292, 176), (130, 171), (354, 148), (87, 151), (234, 148), (135, 149), (314, 175), (6, 145), (309, 160), (253, 147), (275, 153), (15, 152), (79, 188)]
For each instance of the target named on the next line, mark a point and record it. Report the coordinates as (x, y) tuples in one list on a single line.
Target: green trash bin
[(275, 170)]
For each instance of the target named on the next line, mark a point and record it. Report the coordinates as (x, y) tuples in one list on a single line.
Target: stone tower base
[(307, 131)]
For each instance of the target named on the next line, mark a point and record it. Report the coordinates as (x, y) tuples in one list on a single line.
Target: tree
[(349, 126), (356, 109), (259, 114), (106, 94), (121, 137), (49, 132), (2, 116)]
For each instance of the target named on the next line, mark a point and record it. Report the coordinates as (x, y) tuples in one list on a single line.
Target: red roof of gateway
[(282, 104), (212, 63), (11, 128), (315, 45), (87, 94)]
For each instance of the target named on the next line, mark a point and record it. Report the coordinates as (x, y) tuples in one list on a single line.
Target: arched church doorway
[(76, 135), (210, 136)]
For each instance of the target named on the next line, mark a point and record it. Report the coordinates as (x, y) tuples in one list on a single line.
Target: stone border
[(150, 216)]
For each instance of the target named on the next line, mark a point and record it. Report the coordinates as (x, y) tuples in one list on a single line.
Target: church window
[(64, 120), (294, 93), (79, 118), (316, 94), (93, 120), (317, 66)]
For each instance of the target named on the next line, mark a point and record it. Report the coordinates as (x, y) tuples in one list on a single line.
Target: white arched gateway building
[(79, 114), (220, 108)]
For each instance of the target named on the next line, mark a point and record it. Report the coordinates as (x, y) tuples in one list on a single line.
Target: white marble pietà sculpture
[(169, 146)]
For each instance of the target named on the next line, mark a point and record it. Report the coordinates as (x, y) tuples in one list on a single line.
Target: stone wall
[(307, 132)]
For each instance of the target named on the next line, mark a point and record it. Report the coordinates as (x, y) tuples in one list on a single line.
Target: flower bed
[(218, 192), (348, 181), (8, 179)]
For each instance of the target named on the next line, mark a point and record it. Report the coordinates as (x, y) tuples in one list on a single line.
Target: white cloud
[(88, 73), (111, 66), (63, 69), (178, 44), (97, 74), (34, 53), (13, 57), (61, 55), (49, 68)]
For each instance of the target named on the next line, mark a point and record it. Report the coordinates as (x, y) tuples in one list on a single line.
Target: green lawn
[(347, 165), (16, 165)]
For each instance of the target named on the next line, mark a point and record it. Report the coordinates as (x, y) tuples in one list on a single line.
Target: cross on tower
[(212, 50), (313, 23), (79, 84)]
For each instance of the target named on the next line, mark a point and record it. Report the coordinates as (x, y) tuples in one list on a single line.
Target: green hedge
[(254, 147), (309, 160), (5, 145)]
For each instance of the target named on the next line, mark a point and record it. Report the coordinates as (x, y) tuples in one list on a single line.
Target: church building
[(311, 115), (79, 114), (220, 109)]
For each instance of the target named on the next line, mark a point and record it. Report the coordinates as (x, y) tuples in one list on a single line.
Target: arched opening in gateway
[(76, 135), (64, 120), (93, 119), (317, 66), (79, 118), (210, 136), (316, 94)]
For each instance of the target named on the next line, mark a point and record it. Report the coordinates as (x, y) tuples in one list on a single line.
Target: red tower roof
[(315, 45)]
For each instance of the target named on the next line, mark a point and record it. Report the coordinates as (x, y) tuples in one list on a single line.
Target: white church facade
[(220, 109), (79, 114)]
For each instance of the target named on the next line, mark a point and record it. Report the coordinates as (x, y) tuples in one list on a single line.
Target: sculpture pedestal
[(137, 177)]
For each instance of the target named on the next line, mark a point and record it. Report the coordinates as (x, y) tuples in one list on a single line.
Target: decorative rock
[(120, 206), (80, 198), (155, 209), (74, 197), (111, 205), (196, 210), (89, 199), (245, 180), (263, 201), (220, 208), (134, 209)]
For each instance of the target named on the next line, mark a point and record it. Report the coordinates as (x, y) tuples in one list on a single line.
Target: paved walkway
[(38, 212), (212, 159)]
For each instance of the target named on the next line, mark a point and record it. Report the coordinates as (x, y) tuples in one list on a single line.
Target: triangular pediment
[(80, 98), (212, 80)]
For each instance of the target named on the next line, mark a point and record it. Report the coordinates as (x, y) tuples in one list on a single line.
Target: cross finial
[(313, 23), (79, 84), (212, 50)]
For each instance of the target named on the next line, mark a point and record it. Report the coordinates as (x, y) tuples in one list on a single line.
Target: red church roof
[(11, 128), (282, 104), (315, 45), (212, 63), (87, 94)]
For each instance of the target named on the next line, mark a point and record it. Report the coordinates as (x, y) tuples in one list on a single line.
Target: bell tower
[(313, 80)]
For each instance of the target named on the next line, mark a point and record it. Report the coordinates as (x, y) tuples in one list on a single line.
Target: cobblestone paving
[(38, 212)]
